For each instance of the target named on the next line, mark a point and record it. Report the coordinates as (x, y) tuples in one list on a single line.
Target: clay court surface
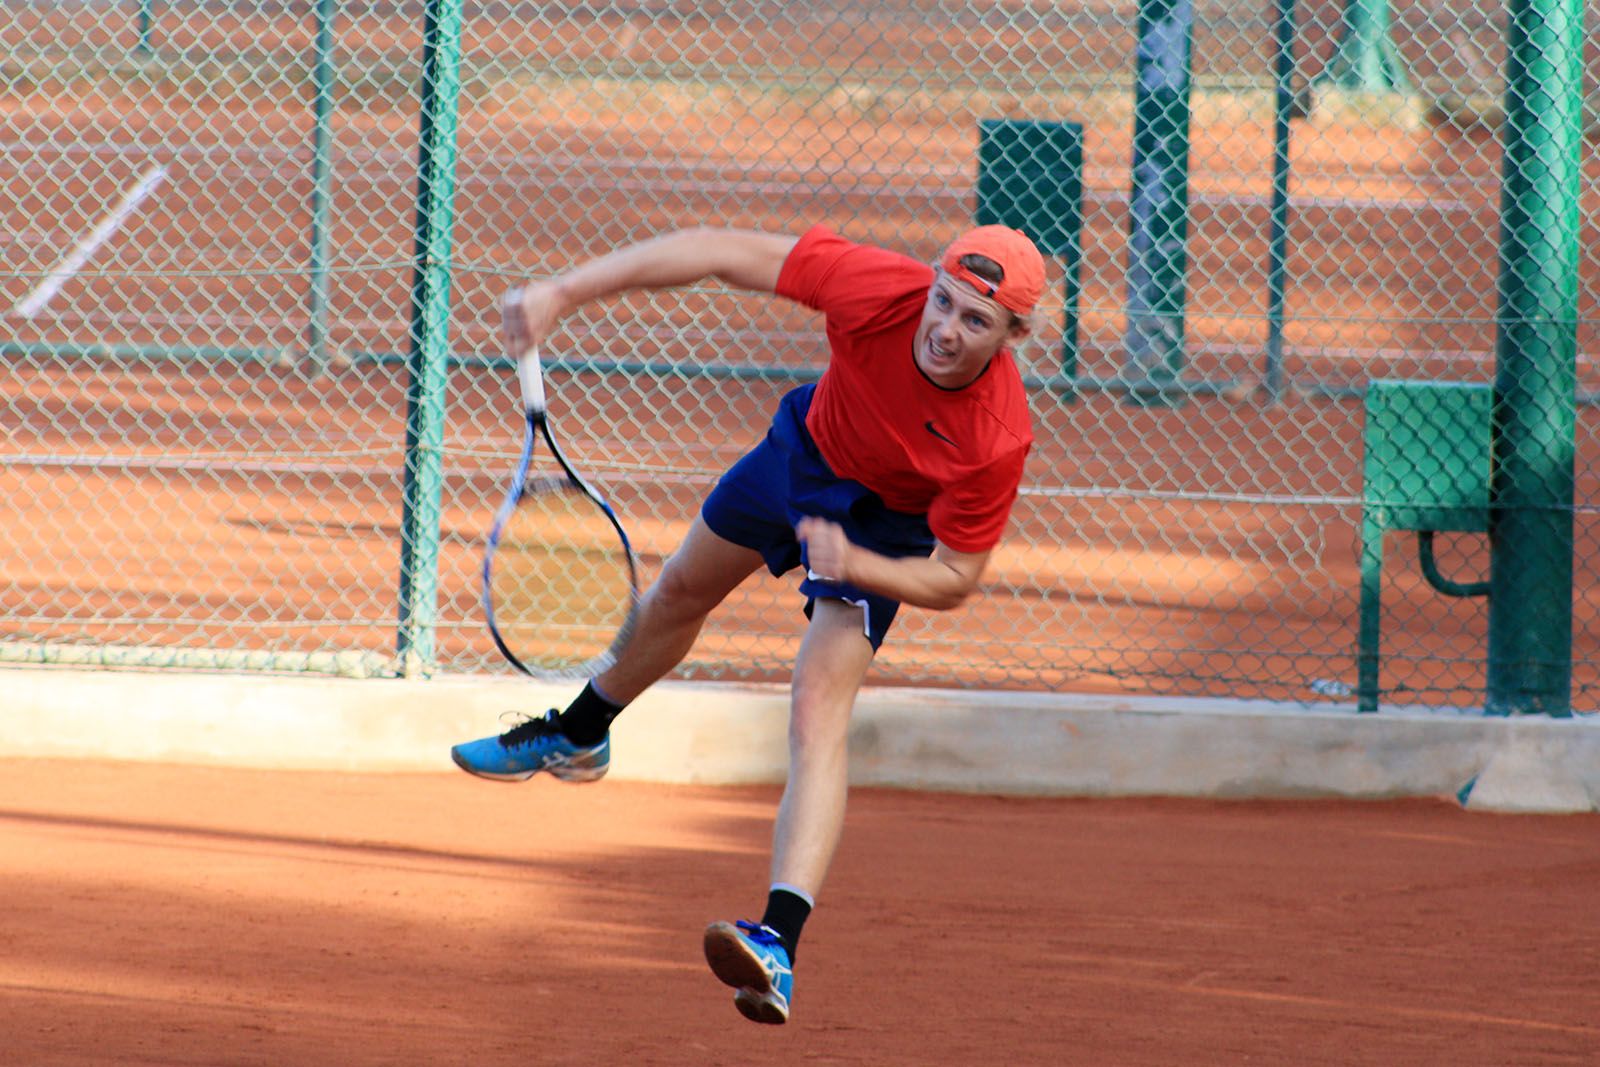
[(180, 915)]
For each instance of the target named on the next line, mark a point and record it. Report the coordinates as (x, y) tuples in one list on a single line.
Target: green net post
[(428, 358), (322, 77), (1366, 59), (1158, 205), (1030, 177), (1531, 566)]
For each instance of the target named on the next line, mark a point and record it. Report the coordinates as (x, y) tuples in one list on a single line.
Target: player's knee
[(679, 593), (817, 727)]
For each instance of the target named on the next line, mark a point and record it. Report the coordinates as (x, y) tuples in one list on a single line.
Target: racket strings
[(561, 580)]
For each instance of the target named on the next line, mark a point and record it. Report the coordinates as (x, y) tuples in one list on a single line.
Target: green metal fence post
[(147, 21), (322, 78), (1366, 59), (428, 357), (1531, 525), (1369, 618), (1158, 203), (1278, 218)]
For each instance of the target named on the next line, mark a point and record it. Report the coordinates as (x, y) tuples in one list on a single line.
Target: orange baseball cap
[(1021, 266)]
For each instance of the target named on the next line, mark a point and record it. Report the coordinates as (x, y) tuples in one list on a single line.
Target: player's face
[(960, 332)]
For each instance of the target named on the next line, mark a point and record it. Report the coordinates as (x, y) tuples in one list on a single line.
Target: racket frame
[(530, 375)]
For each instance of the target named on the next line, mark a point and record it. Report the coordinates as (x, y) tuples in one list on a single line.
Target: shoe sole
[(759, 1009), (734, 965), (565, 774), (579, 774)]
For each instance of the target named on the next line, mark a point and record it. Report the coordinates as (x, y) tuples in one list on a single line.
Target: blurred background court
[(256, 416)]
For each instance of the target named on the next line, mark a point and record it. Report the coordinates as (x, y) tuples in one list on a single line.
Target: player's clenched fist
[(827, 549), (530, 312)]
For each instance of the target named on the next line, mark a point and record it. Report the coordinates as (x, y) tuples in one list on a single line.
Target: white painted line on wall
[(35, 301)]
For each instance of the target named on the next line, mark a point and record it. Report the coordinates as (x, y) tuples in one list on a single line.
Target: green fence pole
[(429, 353), (1531, 527), (1158, 203), (1366, 59), (1278, 219), (322, 77), (147, 22)]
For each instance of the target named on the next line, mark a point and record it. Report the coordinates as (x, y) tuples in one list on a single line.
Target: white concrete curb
[(1020, 743)]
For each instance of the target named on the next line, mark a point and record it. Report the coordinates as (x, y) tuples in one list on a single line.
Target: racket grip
[(530, 372)]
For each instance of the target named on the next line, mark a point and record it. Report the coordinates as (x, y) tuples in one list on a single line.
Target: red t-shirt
[(955, 455)]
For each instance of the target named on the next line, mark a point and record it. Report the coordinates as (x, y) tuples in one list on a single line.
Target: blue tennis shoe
[(751, 958), (532, 746)]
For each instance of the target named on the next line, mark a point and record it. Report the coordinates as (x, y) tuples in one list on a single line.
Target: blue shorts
[(757, 503)]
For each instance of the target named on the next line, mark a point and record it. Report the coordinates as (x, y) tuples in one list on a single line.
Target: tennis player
[(889, 482)]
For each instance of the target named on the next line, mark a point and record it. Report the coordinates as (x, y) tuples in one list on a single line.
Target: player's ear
[(1021, 326)]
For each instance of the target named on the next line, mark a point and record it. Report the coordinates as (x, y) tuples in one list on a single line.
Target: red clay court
[(180, 915)]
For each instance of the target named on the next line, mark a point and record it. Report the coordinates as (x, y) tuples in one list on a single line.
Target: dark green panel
[(1428, 454), (1427, 467), (1030, 177)]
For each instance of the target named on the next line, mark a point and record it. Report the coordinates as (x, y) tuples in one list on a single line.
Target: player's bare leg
[(832, 663), (757, 959), (698, 577), (575, 745)]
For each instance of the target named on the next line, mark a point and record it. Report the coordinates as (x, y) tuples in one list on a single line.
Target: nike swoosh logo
[(931, 428)]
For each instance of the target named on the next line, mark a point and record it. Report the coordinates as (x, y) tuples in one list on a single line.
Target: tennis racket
[(560, 583)]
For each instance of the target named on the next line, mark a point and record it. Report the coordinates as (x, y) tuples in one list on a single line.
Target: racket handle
[(530, 372)]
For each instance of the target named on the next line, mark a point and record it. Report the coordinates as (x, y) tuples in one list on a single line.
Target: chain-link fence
[(256, 416)]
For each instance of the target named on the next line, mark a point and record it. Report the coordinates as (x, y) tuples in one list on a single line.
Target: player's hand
[(529, 314), (828, 550)]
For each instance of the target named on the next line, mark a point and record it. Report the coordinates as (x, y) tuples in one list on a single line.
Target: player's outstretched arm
[(744, 259)]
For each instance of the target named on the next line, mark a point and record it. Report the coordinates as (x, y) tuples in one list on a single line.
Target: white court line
[(35, 301)]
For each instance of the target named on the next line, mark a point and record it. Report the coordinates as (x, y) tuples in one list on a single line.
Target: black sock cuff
[(588, 718), (786, 914)]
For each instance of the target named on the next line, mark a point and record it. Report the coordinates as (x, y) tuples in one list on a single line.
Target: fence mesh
[(211, 220)]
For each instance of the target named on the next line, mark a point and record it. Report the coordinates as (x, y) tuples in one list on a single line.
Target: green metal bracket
[(1030, 177), (1430, 570), (1427, 468)]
